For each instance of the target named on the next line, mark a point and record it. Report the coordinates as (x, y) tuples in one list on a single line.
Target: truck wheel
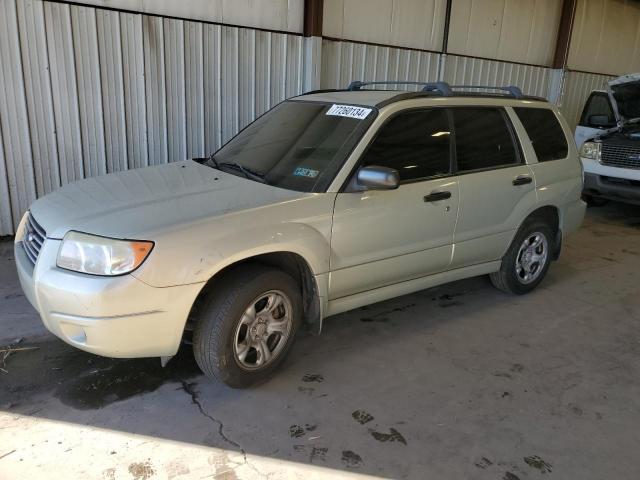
[(526, 262), (246, 325)]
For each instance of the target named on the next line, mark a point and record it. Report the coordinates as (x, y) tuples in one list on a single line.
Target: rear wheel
[(246, 325), (527, 260)]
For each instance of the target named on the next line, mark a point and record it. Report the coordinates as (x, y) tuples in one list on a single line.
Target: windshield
[(627, 97), (297, 145)]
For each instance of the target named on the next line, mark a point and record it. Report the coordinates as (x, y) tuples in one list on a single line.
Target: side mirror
[(599, 120), (378, 178)]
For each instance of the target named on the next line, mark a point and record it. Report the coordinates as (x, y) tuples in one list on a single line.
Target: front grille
[(622, 156), (34, 236)]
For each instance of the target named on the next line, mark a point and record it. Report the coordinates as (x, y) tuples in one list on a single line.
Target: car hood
[(626, 92), (135, 204)]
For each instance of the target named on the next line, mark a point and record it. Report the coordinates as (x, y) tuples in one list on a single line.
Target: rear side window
[(545, 133), (483, 139), (416, 143)]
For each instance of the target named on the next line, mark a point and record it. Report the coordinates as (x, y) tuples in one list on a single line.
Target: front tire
[(526, 262), (246, 325)]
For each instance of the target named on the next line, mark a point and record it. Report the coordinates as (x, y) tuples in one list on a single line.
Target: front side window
[(415, 143), (297, 145), (545, 133), (598, 112), (483, 139)]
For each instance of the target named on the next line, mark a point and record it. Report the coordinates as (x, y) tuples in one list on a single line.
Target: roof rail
[(510, 89), (440, 87)]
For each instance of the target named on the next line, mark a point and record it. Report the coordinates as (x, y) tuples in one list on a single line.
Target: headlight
[(20, 230), (95, 255), (590, 150)]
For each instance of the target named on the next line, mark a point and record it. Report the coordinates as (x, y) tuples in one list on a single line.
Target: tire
[(594, 201), (516, 263), (224, 318)]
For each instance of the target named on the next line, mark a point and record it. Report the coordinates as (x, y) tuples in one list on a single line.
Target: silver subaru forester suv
[(330, 201)]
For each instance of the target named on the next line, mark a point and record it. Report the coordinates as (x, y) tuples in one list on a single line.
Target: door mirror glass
[(599, 120), (378, 178)]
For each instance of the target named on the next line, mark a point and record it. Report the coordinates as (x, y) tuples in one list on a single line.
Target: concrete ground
[(460, 381)]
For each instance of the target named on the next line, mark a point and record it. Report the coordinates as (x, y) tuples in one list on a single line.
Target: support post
[(312, 31)]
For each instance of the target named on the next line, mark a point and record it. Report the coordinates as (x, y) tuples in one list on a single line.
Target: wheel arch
[(291, 263), (550, 214)]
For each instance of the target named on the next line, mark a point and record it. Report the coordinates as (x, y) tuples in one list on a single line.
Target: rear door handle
[(522, 180), (435, 196)]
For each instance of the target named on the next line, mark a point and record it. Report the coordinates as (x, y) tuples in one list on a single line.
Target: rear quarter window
[(545, 133)]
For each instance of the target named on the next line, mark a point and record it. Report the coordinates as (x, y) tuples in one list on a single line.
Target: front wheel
[(246, 326), (526, 262)]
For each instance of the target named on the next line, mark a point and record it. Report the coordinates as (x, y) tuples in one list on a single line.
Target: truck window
[(545, 133), (598, 112)]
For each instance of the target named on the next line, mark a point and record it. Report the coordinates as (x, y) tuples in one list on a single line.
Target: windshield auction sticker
[(349, 111)]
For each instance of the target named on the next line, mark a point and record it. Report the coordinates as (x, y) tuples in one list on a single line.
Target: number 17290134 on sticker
[(350, 111)]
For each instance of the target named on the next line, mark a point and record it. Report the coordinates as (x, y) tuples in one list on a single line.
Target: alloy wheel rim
[(263, 330), (531, 258)]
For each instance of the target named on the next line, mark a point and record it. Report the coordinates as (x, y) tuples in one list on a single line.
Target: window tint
[(597, 112), (416, 143), (545, 133), (483, 139)]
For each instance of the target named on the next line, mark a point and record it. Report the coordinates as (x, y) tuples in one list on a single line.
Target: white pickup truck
[(608, 138)]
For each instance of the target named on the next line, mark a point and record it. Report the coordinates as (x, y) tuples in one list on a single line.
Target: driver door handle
[(522, 180), (435, 196)]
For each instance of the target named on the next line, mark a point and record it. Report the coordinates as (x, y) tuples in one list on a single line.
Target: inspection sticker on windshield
[(349, 111), (305, 172)]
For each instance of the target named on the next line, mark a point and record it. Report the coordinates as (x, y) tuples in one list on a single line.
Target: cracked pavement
[(460, 381)]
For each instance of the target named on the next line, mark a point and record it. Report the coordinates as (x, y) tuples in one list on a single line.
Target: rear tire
[(246, 325), (526, 262)]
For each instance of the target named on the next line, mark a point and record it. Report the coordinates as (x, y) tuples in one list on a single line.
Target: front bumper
[(111, 316), (613, 183), (612, 188)]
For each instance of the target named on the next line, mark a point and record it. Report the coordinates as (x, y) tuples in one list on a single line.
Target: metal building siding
[(194, 89), (532, 80), (110, 60), (85, 43), (6, 220), (37, 84), (135, 102), (343, 62), (86, 91), (64, 90), (14, 123), (153, 37), (577, 87)]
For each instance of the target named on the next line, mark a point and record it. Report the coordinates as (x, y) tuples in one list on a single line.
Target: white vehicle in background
[(608, 137)]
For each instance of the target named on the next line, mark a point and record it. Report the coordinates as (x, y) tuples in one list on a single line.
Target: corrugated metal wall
[(459, 70), (343, 62), (86, 91), (577, 87), (606, 37)]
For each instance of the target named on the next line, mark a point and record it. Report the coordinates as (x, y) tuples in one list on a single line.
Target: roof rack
[(443, 88)]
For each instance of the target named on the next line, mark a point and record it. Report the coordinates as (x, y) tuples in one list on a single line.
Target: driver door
[(384, 237)]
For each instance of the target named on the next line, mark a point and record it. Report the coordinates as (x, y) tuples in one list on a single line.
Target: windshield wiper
[(246, 171)]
